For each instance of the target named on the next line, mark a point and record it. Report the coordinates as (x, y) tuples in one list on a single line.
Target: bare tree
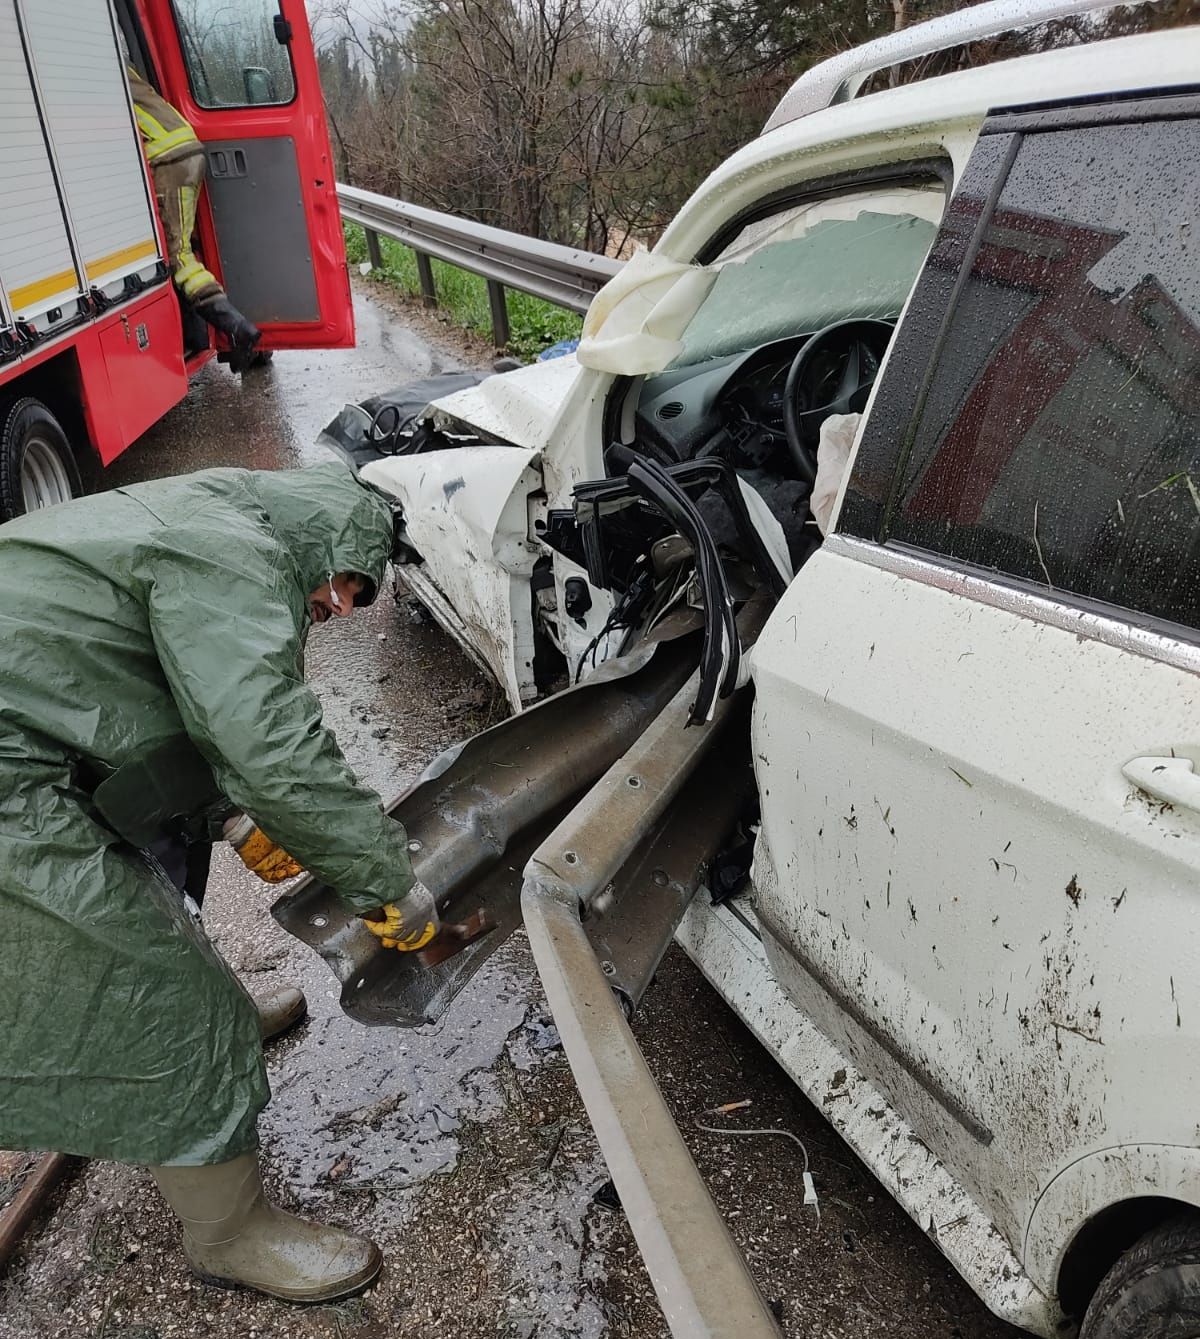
[(590, 121)]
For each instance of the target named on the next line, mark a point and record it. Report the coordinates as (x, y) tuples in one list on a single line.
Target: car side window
[(1058, 441)]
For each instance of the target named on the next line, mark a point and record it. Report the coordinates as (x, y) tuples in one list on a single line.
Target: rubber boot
[(279, 1011), (222, 315), (233, 1238)]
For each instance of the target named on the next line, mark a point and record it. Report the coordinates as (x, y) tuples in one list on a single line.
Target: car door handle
[(1172, 780)]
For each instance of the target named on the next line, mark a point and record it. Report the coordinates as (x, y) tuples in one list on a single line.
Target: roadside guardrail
[(559, 274)]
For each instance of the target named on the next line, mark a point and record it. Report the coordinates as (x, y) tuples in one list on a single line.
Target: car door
[(245, 76), (977, 716)]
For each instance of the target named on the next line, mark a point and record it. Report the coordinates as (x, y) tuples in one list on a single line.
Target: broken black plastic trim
[(721, 655), (712, 472), (387, 424)]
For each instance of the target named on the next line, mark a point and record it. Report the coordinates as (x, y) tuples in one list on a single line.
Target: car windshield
[(851, 255)]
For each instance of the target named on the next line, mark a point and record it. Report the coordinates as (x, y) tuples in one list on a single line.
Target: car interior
[(711, 463)]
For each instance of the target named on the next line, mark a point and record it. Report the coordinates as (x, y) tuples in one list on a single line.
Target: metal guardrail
[(558, 274)]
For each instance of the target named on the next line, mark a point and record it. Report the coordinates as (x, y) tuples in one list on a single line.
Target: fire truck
[(95, 345)]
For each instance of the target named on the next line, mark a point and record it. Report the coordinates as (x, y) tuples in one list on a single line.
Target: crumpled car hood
[(519, 407)]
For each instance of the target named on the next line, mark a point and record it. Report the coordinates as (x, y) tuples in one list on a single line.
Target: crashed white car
[(971, 929)]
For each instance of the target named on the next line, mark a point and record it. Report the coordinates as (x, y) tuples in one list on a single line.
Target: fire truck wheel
[(37, 465)]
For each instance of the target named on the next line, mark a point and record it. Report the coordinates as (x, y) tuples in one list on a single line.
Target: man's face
[(335, 597)]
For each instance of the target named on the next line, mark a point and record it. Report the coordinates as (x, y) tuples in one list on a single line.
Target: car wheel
[(37, 465), (1153, 1291)]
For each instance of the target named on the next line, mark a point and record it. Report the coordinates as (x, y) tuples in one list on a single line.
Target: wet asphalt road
[(463, 1147)]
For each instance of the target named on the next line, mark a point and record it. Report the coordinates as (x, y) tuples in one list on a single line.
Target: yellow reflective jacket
[(167, 137)]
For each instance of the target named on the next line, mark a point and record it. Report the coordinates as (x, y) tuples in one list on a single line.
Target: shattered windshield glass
[(851, 255)]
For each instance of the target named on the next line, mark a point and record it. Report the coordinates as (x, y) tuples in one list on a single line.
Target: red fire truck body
[(95, 345)]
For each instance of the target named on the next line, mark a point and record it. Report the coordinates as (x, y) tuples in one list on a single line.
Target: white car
[(972, 931)]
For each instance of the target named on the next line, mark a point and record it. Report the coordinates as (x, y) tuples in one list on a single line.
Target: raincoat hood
[(328, 522)]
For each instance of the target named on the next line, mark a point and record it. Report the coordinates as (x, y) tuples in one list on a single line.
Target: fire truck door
[(245, 76)]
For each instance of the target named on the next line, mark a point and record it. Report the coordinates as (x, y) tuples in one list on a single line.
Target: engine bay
[(708, 502), (704, 503)]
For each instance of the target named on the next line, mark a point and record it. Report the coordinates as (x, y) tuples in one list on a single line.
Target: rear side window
[(1059, 442)]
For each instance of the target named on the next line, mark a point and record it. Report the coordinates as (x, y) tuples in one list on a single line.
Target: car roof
[(1147, 61), (839, 78), (937, 116)]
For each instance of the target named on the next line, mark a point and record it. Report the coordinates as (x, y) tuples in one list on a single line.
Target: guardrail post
[(425, 275), (374, 255), (500, 331)]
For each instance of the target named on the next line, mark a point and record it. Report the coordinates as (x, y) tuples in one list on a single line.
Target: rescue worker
[(150, 643), (177, 164)]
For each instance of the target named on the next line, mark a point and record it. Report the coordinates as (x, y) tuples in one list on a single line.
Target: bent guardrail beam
[(472, 819), (702, 1280)]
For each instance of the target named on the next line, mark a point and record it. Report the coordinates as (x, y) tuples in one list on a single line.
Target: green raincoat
[(128, 620)]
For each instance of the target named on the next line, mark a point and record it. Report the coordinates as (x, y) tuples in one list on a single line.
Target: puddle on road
[(548, 1241), (373, 1112), (270, 418), (461, 1145)]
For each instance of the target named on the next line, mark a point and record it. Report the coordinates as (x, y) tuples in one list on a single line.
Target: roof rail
[(840, 78)]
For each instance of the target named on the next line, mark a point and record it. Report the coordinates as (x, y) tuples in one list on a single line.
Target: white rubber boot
[(232, 1237), (279, 1011)]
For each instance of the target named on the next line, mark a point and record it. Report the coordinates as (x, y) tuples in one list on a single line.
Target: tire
[(1153, 1291), (37, 465)]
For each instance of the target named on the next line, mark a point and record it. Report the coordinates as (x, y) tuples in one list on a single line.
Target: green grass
[(534, 324)]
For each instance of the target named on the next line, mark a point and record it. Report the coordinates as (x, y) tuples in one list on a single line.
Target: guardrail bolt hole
[(634, 782), (570, 857), (660, 877)]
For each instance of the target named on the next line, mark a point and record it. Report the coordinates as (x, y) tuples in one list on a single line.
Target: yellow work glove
[(258, 852), (407, 925)]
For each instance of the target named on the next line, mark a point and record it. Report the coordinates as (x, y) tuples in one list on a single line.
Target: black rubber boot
[(222, 315)]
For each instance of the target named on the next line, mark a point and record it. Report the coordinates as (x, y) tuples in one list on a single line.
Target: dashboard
[(736, 408), (732, 407)]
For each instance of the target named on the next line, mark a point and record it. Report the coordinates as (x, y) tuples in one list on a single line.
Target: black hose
[(656, 485)]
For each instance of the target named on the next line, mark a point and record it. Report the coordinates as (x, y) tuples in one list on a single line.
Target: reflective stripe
[(63, 282), (150, 128), (157, 139), (115, 259), (192, 278)]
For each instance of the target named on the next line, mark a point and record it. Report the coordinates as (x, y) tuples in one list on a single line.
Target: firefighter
[(150, 683), (177, 164)]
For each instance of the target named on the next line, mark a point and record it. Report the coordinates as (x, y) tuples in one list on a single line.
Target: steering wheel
[(832, 373)]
